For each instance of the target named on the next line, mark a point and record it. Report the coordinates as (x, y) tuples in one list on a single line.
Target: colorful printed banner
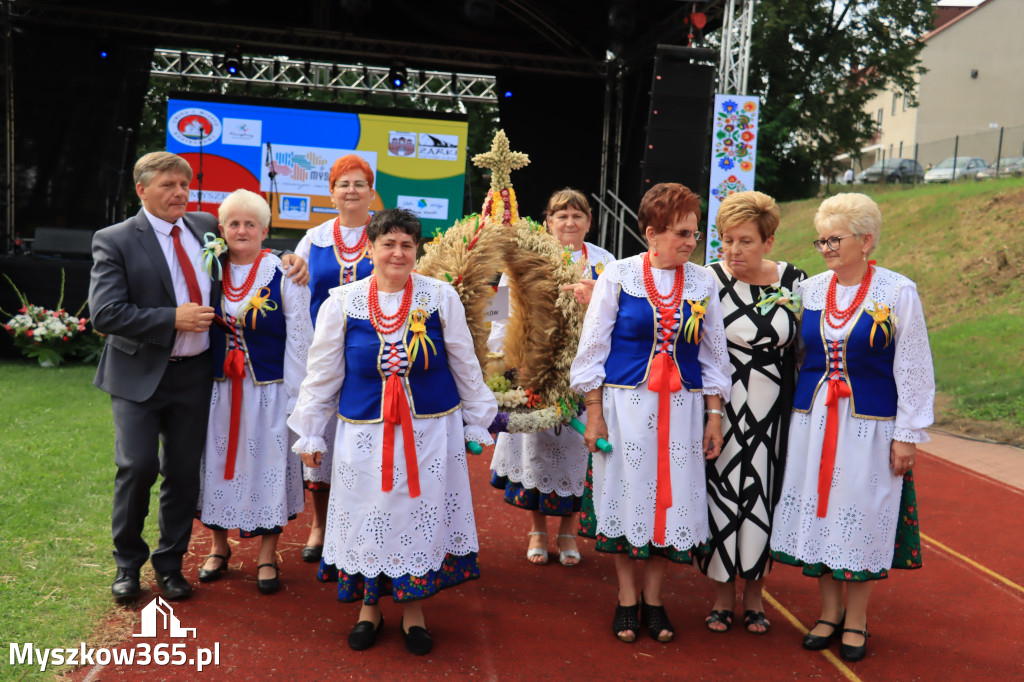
[(733, 153)]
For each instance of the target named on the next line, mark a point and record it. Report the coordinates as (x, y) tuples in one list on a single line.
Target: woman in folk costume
[(393, 364), (336, 253), (544, 472), (250, 479), (864, 396), (651, 361)]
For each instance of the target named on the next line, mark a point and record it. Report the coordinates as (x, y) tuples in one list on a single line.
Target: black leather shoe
[(364, 634), (819, 642), (851, 653), (270, 585), (208, 576), (417, 640), (173, 585), (312, 553), (126, 587)]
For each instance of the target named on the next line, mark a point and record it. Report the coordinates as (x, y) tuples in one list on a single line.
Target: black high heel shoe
[(209, 575), (270, 585), (819, 642), (626, 618), (656, 621), (851, 653)]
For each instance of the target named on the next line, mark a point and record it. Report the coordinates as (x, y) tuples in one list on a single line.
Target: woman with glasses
[(761, 318), (337, 254), (544, 472), (652, 360), (847, 512)]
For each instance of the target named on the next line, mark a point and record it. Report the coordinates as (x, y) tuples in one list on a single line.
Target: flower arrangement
[(52, 336)]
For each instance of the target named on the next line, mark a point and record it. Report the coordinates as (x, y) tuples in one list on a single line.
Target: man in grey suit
[(152, 300)]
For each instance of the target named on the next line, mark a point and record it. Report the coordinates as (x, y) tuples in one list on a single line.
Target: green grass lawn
[(56, 483)]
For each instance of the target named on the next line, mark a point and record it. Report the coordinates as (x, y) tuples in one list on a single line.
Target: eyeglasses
[(686, 234), (831, 242), (345, 184)]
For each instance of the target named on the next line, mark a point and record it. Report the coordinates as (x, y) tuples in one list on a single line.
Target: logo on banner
[(434, 208), (401, 144), (438, 147), (293, 208), (194, 127), (305, 171), (158, 615), (244, 132)]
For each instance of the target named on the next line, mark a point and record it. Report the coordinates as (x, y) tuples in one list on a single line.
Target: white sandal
[(569, 553), (537, 551)]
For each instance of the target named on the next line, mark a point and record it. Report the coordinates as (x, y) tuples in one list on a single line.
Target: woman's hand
[(596, 427), (901, 457), (312, 459), (582, 291), (713, 437)]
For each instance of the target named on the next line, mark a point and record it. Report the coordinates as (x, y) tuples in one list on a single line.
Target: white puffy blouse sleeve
[(588, 368), (478, 404), (713, 354), (325, 372), (303, 248), (299, 335), (912, 369)]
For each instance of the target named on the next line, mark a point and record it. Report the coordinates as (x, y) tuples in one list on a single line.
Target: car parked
[(1008, 166), (961, 166), (892, 170)]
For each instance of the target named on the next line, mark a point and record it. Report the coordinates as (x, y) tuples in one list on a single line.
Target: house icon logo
[(158, 614)]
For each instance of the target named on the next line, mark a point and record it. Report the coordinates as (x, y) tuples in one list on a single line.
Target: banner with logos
[(418, 161), (733, 154)]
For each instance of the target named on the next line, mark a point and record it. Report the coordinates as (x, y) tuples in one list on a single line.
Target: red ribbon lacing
[(396, 412), (234, 369), (665, 380), (837, 388)]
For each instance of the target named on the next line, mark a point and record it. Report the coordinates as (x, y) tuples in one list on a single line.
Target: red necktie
[(185, 263)]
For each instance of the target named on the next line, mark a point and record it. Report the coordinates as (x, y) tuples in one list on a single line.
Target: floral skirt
[(549, 504), (907, 553), (454, 571), (619, 545)]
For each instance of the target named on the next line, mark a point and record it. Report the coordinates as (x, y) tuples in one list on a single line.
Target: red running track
[(957, 617)]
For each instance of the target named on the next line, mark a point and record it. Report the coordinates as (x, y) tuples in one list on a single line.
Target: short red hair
[(349, 162), (666, 204)]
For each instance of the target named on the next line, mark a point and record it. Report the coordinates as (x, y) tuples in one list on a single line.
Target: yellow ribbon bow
[(418, 327), (884, 320), (693, 330), (260, 303)]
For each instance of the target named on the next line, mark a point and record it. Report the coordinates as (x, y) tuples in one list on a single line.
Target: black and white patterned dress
[(743, 481)]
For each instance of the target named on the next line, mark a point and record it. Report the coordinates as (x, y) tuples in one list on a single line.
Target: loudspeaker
[(61, 241), (679, 121)]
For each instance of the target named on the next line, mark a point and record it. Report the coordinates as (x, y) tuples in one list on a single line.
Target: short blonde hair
[(748, 207), (158, 162), (852, 211), (244, 201)]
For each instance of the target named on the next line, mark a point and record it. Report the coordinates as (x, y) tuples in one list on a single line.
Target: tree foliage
[(815, 64)]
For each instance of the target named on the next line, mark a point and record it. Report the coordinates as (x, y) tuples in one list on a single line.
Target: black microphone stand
[(272, 174), (117, 210), (199, 176)]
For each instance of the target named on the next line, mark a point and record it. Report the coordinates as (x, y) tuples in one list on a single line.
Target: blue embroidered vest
[(432, 391), (264, 346), (634, 341), (325, 274), (867, 369)]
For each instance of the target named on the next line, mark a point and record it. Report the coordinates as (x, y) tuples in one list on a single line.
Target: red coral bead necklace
[(235, 294), (674, 298), (348, 254), (832, 310), (387, 324)]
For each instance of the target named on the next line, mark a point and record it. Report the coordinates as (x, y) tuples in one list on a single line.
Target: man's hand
[(295, 268), (192, 317)]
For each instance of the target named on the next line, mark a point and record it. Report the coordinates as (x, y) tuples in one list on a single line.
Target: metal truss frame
[(734, 57), (284, 72)]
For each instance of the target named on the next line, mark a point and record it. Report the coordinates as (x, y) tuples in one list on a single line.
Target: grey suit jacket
[(131, 300)]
